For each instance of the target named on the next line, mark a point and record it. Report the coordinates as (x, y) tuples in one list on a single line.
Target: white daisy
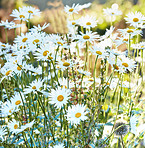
[(34, 86), (59, 97), (76, 113), (14, 126), (87, 21), (71, 10), (39, 28), (3, 132), (88, 36), (135, 18)]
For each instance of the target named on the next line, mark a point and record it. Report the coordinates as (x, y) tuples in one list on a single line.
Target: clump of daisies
[(69, 90)]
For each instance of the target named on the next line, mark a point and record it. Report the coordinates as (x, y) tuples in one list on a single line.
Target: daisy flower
[(20, 14), (107, 33), (14, 126), (13, 25), (88, 21), (140, 45), (39, 28), (131, 32), (43, 52), (6, 24), (17, 99), (31, 11), (71, 10), (127, 64), (59, 97), (113, 11), (76, 113), (99, 51), (88, 36), (22, 40), (135, 18), (8, 108), (63, 65), (34, 87)]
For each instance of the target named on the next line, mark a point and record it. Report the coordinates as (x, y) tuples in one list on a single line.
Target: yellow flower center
[(15, 62), (99, 52), (60, 98), (22, 47), (125, 40), (60, 43), (73, 23), (129, 31), (113, 13), (34, 87), (8, 72), (63, 86), (115, 67), (24, 39), (88, 23), (10, 111), (15, 126), (22, 16), (3, 45), (19, 67), (66, 64), (13, 55), (90, 79), (18, 102), (30, 11), (71, 10), (77, 115), (125, 64), (35, 41), (45, 53), (86, 37), (135, 19)]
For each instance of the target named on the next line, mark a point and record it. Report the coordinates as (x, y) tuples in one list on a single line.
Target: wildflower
[(107, 130), (99, 51), (134, 18), (20, 14), (120, 128), (88, 36), (34, 86), (113, 11), (88, 21), (59, 97), (28, 125), (76, 113), (31, 11), (39, 28), (14, 126), (72, 10)]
